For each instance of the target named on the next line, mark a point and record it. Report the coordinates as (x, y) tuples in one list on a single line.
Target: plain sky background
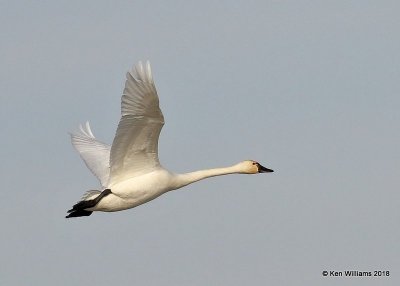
[(310, 89)]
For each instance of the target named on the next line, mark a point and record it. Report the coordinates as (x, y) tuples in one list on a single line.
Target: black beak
[(262, 169)]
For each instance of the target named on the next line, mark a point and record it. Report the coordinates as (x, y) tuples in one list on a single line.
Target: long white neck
[(182, 180)]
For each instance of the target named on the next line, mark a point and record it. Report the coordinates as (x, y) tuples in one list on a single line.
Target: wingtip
[(141, 71), (88, 129), (148, 71), (83, 130)]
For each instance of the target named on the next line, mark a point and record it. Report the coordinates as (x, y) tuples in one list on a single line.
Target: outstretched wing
[(135, 147), (95, 154)]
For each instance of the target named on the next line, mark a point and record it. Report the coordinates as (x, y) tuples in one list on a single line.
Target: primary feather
[(94, 153)]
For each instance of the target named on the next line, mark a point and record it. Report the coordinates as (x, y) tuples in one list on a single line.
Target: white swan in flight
[(129, 170)]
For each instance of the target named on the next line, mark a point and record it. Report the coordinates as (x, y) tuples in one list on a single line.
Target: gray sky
[(307, 88)]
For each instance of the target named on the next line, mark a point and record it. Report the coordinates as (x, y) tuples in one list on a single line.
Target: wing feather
[(135, 147), (94, 153)]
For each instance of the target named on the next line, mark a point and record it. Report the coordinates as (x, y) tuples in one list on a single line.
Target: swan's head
[(252, 167)]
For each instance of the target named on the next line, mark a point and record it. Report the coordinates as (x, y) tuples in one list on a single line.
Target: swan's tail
[(85, 202)]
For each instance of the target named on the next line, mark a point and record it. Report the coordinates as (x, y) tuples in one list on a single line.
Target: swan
[(129, 170)]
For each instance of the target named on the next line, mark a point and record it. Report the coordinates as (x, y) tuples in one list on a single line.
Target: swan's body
[(129, 171)]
